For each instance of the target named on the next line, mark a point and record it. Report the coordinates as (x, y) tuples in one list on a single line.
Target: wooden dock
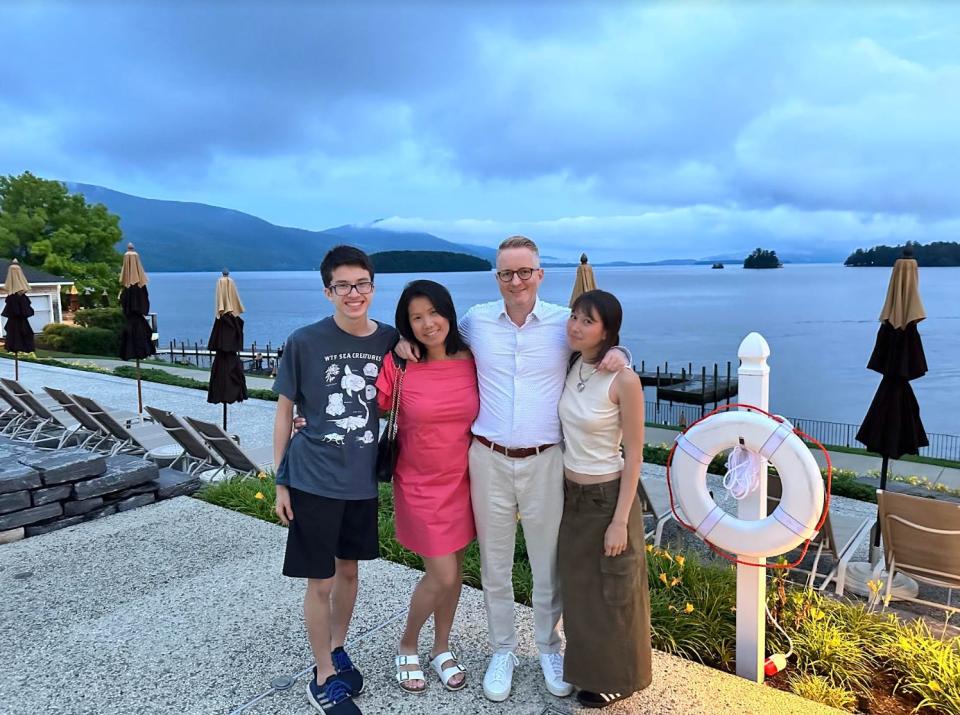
[(697, 391)]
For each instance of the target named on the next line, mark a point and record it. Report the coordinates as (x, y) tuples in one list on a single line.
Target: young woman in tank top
[(602, 559)]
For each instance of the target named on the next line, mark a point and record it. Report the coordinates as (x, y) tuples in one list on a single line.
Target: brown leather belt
[(513, 452)]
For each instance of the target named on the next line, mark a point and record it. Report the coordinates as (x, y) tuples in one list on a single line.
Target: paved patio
[(180, 608)]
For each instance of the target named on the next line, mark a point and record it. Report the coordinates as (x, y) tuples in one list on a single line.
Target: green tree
[(762, 259), (45, 226)]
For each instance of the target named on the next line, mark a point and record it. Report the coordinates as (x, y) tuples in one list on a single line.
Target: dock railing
[(257, 359), (831, 434)]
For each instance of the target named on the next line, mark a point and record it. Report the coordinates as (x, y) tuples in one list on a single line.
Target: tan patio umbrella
[(227, 382), (584, 280), (892, 426), (18, 335), (136, 341)]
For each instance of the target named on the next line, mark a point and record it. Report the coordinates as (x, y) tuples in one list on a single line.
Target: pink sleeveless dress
[(439, 401)]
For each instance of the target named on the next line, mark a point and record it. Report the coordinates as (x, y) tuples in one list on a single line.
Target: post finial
[(225, 272), (583, 257), (129, 246), (754, 350)]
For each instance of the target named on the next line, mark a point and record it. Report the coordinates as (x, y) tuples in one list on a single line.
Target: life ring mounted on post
[(804, 501)]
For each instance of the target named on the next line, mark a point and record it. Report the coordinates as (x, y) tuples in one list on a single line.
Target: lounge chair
[(196, 456), (127, 440), (236, 459), (21, 423), (921, 539), (655, 501), (839, 536), (52, 425), (105, 442)]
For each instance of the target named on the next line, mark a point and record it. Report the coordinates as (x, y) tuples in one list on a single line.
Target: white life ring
[(801, 505)]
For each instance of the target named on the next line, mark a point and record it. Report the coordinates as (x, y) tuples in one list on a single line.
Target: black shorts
[(325, 529)]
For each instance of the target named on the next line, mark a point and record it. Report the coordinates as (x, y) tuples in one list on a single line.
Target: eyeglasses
[(342, 289), (524, 273)]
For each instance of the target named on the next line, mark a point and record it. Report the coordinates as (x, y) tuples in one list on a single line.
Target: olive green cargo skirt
[(606, 602)]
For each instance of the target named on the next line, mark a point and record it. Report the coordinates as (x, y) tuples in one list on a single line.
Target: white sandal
[(447, 673), (405, 675)]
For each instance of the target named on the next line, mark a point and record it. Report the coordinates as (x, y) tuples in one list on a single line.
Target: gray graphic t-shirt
[(330, 375)]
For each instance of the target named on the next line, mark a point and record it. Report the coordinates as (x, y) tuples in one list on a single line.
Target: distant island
[(427, 262), (762, 259), (937, 254)]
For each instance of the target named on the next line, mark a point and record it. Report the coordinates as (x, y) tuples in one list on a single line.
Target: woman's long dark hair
[(610, 312), (442, 302)]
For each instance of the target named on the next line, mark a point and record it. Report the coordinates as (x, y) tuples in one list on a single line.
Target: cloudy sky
[(636, 131)]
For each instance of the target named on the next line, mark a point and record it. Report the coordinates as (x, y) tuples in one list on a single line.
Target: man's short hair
[(343, 256), (518, 242)]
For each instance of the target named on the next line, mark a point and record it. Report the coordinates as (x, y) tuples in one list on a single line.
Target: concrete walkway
[(181, 608)]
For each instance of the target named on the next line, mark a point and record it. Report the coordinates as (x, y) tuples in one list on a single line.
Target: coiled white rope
[(743, 473)]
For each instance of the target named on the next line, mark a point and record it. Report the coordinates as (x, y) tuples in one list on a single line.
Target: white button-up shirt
[(520, 372)]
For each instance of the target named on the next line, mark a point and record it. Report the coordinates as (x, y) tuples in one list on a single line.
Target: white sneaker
[(498, 679), (552, 666)]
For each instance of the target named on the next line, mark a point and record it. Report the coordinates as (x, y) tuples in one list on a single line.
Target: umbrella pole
[(883, 485), (224, 416), (139, 392), (16, 366)]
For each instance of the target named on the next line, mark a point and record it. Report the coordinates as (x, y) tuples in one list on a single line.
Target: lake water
[(820, 322)]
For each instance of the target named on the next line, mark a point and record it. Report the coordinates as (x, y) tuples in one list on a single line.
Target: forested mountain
[(184, 236)]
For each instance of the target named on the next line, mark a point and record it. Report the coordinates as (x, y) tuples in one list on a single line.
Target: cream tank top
[(592, 431)]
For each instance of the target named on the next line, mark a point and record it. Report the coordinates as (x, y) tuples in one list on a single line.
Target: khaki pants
[(501, 488)]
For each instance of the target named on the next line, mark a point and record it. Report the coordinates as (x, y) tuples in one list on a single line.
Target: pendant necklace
[(582, 384)]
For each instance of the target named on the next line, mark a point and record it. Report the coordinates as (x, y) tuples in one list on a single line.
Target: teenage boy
[(326, 488)]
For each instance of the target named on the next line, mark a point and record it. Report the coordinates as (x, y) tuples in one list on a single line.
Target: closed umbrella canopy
[(228, 384), (584, 281), (18, 335), (136, 340)]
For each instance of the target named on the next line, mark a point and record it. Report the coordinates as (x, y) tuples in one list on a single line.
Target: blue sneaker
[(346, 670), (333, 697)]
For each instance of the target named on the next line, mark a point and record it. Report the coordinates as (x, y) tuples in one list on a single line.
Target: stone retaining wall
[(45, 490)]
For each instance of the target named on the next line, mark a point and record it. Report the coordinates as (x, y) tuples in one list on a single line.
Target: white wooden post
[(754, 389)]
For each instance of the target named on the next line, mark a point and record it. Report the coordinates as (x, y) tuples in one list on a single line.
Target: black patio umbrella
[(18, 335), (892, 426), (136, 341), (228, 383)]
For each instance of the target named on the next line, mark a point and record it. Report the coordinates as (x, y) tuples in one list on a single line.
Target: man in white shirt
[(516, 466)]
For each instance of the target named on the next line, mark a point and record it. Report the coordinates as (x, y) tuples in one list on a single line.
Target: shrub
[(106, 318), (819, 689), (152, 374), (80, 341)]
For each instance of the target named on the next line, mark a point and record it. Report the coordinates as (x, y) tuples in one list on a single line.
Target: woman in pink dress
[(431, 490)]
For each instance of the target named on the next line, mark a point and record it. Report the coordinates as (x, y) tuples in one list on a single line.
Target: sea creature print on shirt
[(335, 406), (351, 383), (348, 409)]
